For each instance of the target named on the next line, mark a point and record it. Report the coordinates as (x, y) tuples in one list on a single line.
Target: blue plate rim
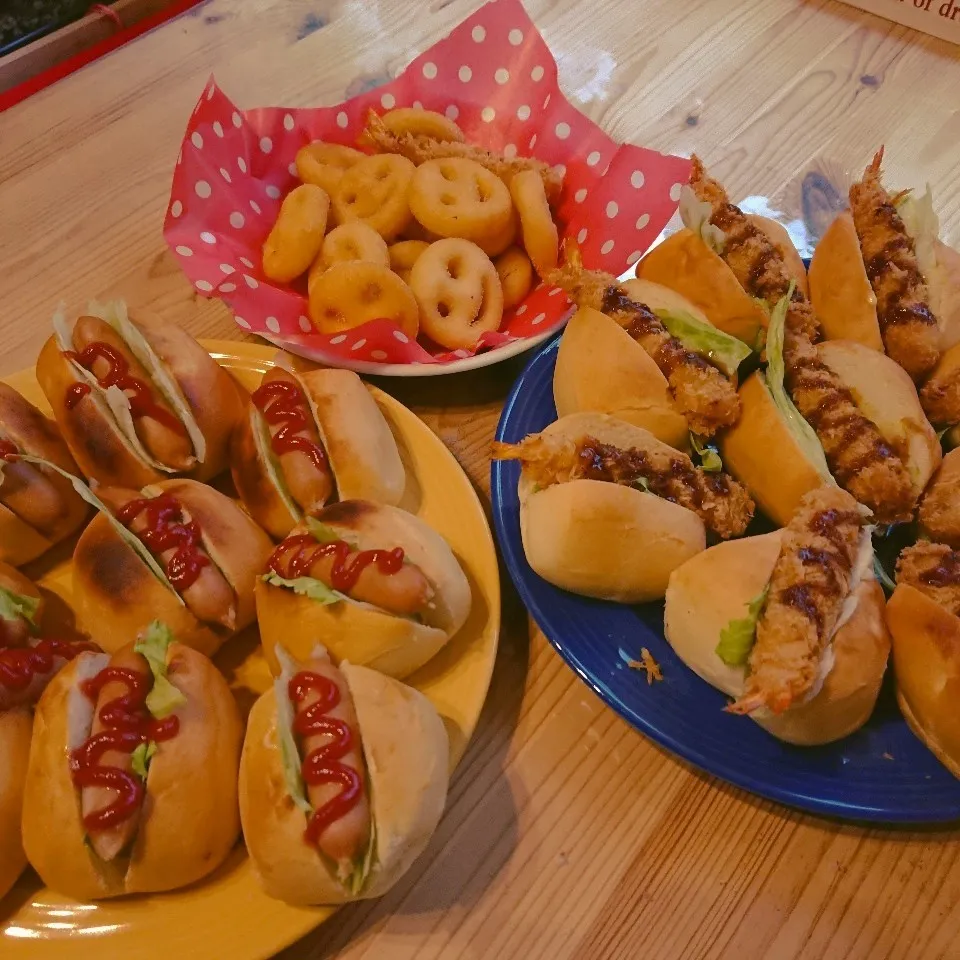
[(516, 563)]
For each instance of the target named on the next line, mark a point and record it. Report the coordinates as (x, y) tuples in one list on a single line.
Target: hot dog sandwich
[(137, 399), (343, 781), (379, 586), (132, 776), (309, 437)]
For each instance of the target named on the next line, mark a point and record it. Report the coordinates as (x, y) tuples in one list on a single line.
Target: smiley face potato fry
[(458, 291), (404, 254), (296, 237), (323, 164), (354, 292), (353, 241), (376, 191), (456, 197)]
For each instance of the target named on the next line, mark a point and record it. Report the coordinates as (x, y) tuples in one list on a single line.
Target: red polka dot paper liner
[(495, 76)]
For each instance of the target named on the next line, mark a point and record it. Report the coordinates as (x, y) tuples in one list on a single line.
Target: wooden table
[(568, 835)]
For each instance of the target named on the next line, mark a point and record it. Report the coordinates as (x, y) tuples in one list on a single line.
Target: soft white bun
[(926, 661), (15, 729), (406, 751), (686, 264), (886, 395), (582, 535), (945, 293), (601, 368), (840, 291), (716, 586), (190, 817), (360, 632)]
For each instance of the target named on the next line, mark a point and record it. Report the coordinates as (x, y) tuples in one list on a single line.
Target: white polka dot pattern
[(495, 76)]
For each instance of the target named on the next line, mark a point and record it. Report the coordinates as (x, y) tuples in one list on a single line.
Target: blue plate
[(881, 773)]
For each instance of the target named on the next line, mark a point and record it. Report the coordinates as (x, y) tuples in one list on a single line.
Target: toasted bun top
[(372, 525), (926, 658), (840, 291), (777, 482), (686, 264), (886, 395), (209, 391), (235, 543), (601, 368), (363, 452), (22, 423), (117, 595)]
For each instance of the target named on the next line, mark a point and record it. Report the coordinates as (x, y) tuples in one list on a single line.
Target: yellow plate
[(228, 909)]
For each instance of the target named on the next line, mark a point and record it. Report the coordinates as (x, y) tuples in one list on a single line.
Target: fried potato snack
[(294, 241), (458, 292), (540, 238), (353, 241), (404, 254), (323, 164), (516, 276), (375, 191), (459, 198), (353, 292), (422, 123)]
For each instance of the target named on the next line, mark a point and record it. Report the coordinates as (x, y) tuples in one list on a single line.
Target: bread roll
[(601, 368), (840, 291), (926, 661)]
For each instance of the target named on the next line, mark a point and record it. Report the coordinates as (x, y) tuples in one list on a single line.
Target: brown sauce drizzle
[(946, 573), (805, 597), (640, 321)]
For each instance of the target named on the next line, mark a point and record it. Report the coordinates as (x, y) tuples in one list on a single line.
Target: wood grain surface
[(568, 835)]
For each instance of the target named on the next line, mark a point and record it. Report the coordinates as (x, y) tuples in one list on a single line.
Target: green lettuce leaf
[(723, 351), (642, 483), (709, 457), (306, 587), (152, 644), (886, 581), (696, 216), (85, 493), (261, 437), (289, 755), (13, 606), (802, 432), (141, 757), (321, 532), (738, 636)]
